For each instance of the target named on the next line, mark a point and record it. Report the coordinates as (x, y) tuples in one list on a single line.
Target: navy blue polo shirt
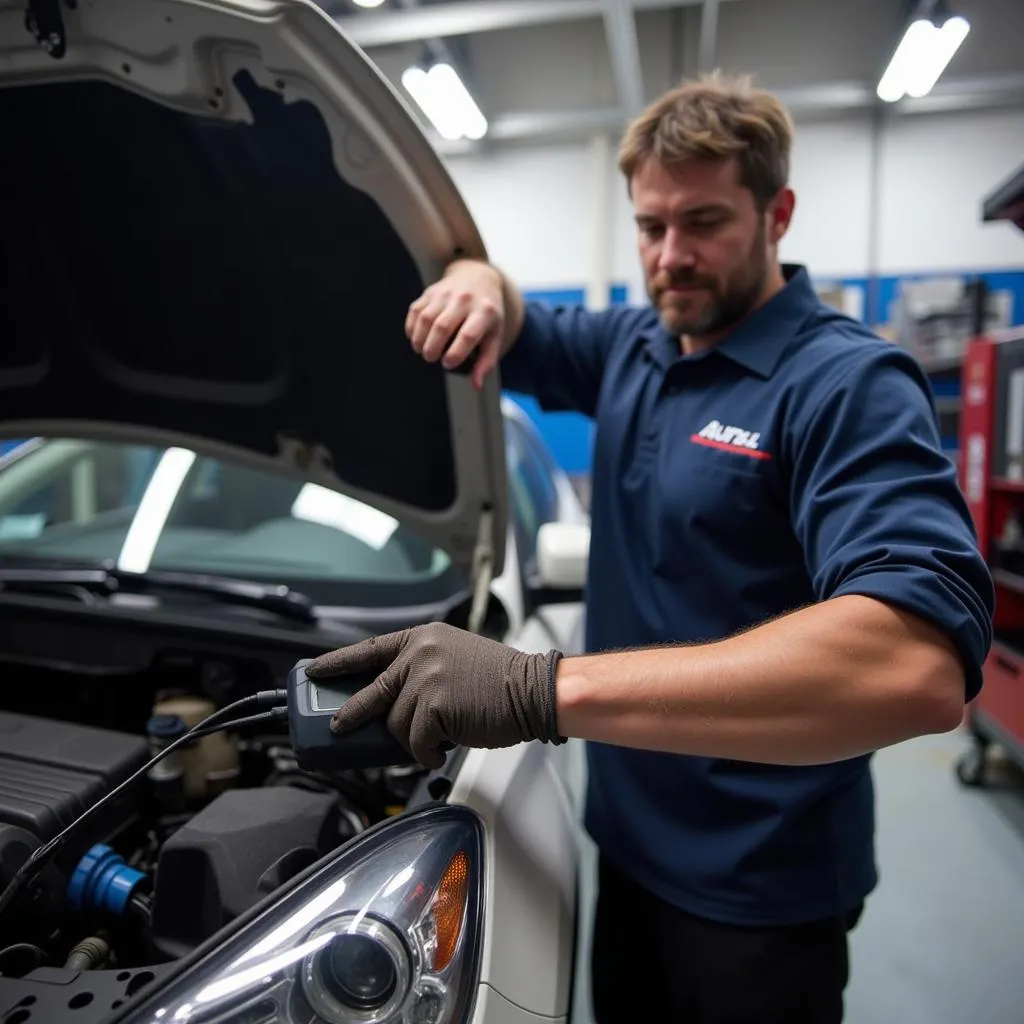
[(797, 461)]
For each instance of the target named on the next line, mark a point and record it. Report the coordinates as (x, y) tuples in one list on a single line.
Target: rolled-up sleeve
[(877, 506), (560, 355)]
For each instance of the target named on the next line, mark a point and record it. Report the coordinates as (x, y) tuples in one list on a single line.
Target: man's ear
[(780, 215)]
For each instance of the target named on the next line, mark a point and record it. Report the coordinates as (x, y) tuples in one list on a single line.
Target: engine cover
[(235, 851), (50, 772)]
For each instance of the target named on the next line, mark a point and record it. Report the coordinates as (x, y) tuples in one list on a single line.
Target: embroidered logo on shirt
[(730, 439)]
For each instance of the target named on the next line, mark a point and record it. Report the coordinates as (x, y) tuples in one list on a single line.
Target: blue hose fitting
[(102, 881)]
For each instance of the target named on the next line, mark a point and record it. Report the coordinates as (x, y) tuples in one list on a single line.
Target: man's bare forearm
[(828, 682)]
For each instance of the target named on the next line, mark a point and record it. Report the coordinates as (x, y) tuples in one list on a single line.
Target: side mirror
[(563, 550)]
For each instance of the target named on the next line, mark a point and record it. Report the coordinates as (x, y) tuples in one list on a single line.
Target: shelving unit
[(945, 379), (946, 371), (992, 478)]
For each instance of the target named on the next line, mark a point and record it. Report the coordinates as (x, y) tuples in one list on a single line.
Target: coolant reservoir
[(211, 764)]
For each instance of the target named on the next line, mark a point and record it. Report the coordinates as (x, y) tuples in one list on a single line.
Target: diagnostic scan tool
[(312, 703)]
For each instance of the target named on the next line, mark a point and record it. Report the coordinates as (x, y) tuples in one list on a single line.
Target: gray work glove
[(440, 685)]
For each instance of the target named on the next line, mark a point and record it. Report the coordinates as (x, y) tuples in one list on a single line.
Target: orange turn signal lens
[(448, 909)]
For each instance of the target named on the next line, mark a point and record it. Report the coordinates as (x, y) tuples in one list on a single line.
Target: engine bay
[(195, 842)]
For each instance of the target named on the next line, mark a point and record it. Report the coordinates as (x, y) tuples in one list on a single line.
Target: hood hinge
[(483, 569), (45, 24)]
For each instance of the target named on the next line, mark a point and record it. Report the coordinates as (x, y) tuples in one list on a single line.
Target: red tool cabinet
[(995, 494), (992, 479)]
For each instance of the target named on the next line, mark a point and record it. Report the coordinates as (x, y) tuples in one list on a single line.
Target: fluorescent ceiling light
[(921, 57), (367, 3), (446, 101)]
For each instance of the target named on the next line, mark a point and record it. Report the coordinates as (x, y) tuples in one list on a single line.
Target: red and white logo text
[(731, 439)]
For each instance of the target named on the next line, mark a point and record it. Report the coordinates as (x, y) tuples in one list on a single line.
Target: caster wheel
[(970, 769)]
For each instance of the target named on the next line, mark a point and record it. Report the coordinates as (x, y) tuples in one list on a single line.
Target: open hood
[(215, 216)]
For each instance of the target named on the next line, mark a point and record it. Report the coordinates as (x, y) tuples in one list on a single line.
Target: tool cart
[(992, 478)]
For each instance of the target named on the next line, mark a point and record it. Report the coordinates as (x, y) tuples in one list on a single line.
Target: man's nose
[(676, 254)]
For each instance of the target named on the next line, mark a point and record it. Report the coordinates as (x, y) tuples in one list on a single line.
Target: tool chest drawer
[(1002, 697)]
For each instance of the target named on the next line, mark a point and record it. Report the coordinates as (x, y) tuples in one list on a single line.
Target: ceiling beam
[(507, 127), (439, 50), (385, 28), (708, 35), (624, 48), (971, 92)]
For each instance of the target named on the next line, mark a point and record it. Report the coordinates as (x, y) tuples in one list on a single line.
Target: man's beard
[(726, 305)]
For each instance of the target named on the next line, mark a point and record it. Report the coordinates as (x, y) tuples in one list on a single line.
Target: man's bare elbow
[(939, 689), (932, 676)]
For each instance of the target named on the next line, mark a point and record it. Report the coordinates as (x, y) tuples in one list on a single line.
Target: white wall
[(534, 207), (935, 173), (537, 206), (831, 175)]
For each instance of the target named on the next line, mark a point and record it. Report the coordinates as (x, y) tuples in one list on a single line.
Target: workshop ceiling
[(557, 69)]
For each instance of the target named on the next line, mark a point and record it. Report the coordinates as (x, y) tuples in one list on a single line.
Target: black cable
[(273, 715), (211, 724), (264, 698)]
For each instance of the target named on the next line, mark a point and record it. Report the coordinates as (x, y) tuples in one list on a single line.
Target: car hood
[(215, 217)]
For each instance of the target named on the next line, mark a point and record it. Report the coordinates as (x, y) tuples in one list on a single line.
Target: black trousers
[(653, 962)]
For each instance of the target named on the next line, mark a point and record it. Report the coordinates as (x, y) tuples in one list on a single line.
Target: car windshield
[(67, 501)]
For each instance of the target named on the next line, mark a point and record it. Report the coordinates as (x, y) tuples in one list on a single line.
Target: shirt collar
[(759, 341)]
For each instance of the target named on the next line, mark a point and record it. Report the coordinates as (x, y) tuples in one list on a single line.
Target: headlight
[(386, 933)]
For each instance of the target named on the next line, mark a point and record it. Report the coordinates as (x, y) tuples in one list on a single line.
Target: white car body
[(187, 56)]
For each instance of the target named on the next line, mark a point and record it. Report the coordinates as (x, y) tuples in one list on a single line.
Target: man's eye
[(708, 224), (652, 230)]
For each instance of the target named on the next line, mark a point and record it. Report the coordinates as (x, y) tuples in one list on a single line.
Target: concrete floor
[(941, 939)]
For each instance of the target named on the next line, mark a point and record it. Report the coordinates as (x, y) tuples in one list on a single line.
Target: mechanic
[(784, 578)]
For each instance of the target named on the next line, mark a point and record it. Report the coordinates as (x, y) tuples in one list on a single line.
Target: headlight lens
[(387, 933), (362, 972), (356, 970)]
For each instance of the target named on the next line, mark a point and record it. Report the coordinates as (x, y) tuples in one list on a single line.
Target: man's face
[(706, 250)]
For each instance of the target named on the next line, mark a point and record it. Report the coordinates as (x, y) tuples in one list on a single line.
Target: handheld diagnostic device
[(312, 703)]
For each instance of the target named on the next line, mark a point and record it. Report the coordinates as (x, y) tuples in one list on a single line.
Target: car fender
[(531, 855)]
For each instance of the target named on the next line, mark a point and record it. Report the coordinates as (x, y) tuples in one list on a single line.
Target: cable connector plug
[(271, 698)]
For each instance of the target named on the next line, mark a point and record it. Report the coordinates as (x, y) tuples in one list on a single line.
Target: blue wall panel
[(569, 435)]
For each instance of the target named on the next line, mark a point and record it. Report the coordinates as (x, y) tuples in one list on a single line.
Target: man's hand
[(465, 312), (438, 684)]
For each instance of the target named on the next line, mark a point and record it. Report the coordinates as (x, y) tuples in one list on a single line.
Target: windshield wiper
[(87, 583)]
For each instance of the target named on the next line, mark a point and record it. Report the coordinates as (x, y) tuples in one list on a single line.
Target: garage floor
[(940, 941)]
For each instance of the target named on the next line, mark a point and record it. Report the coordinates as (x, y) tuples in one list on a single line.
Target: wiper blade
[(272, 597), (108, 581)]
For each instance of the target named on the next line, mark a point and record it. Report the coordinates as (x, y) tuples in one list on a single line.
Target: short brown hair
[(715, 117)]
